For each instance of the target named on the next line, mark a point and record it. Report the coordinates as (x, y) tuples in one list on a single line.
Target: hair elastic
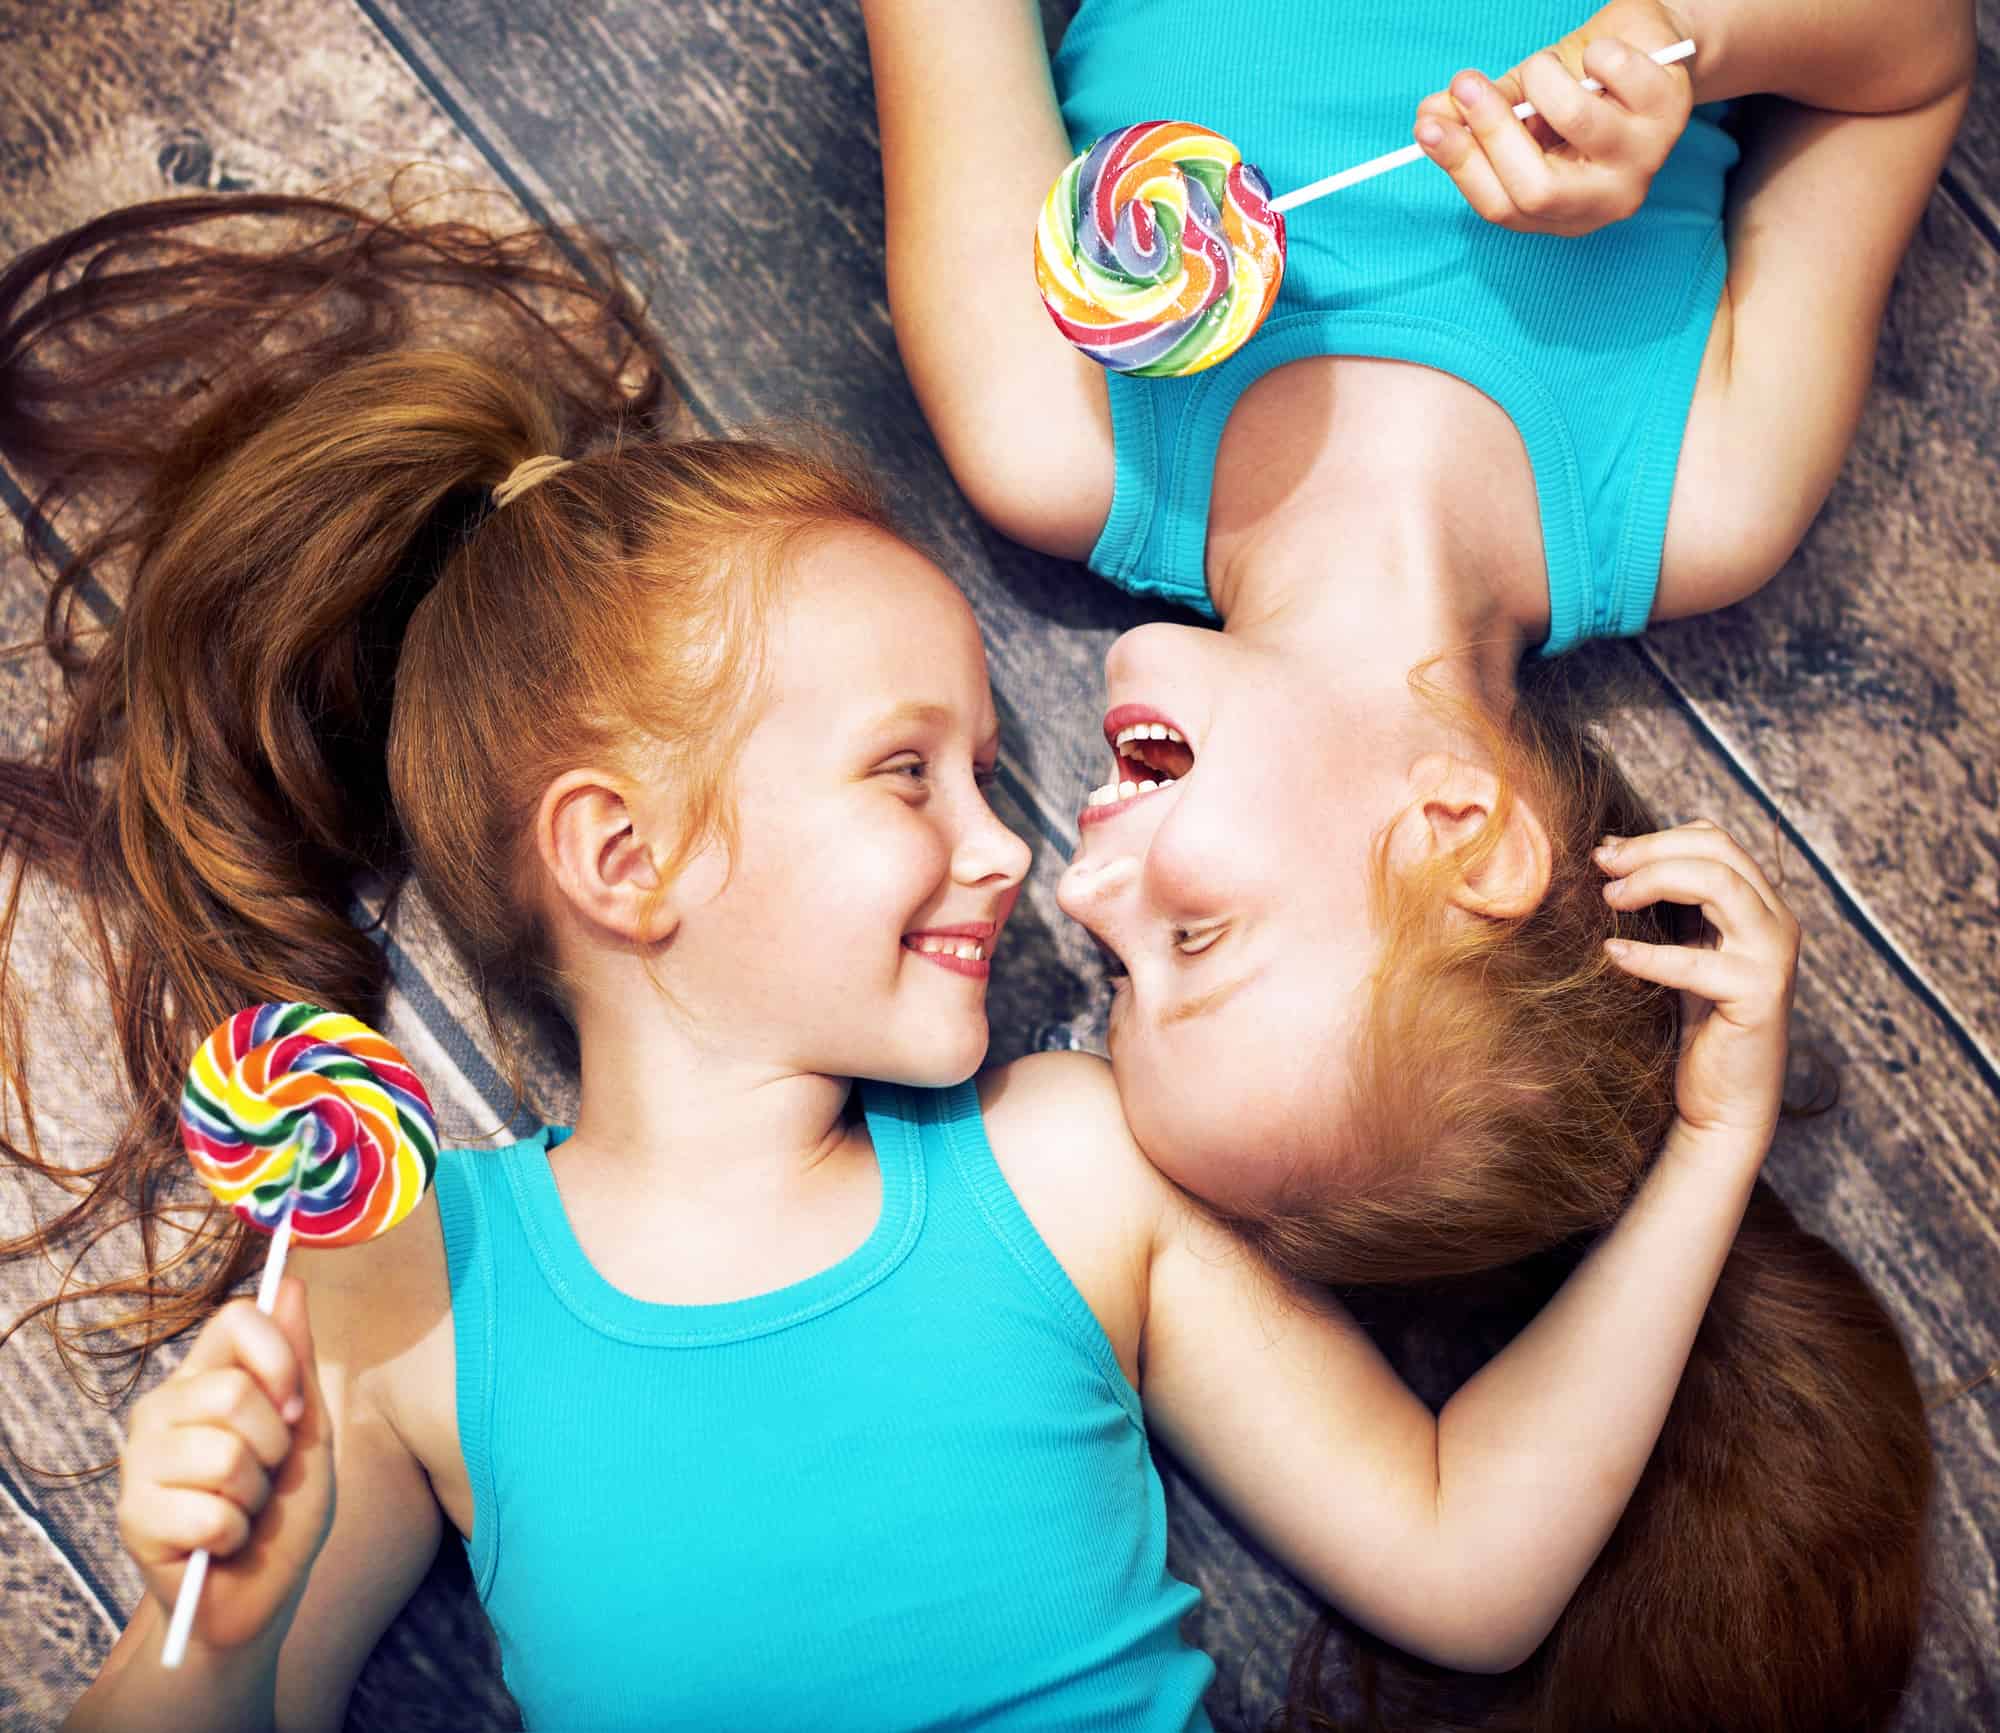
[(525, 475)]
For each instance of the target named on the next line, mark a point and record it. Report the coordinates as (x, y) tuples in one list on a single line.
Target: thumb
[(289, 1312)]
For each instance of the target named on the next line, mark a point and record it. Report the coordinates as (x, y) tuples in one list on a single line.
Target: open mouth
[(1150, 754)]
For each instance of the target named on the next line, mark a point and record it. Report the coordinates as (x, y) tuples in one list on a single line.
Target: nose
[(988, 853), (1097, 893)]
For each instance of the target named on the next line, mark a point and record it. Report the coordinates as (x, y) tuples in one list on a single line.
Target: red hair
[(335, 659)]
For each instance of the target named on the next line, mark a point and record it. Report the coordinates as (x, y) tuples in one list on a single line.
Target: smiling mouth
[(1149, 754), (961, 950)]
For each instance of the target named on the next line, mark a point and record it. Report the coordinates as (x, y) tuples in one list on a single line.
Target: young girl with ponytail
[(800, 1382), (1493, 411)]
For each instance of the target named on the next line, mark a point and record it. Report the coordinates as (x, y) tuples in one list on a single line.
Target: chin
[(935, 1063)]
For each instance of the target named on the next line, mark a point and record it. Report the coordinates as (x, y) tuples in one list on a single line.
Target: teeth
[(971, 950), (1148, 731), (1116, 791)]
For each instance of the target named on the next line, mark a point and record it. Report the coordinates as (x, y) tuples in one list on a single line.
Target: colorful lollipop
[(1160, 250), (1157, 251), (311, 1126)]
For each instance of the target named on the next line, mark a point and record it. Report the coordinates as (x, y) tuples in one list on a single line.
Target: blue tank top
[(1592, 345), (910, 1491)]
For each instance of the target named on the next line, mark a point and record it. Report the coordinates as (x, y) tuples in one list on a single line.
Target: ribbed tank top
[(912, 1490), (1592, 344)]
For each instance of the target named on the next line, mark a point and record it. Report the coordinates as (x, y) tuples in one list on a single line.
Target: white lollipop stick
[(1380, 165), (181, 1624)]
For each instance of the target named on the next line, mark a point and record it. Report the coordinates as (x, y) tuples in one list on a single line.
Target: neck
[(1385, 517), (682, 1115)]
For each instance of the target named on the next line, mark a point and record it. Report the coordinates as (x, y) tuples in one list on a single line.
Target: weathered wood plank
[(101, 104), (1857, 688), (1975, 157)]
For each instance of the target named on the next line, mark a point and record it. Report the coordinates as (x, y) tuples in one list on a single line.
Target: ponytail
[(278, 479)]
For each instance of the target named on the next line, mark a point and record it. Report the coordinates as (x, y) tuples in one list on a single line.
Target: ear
[(596, 847), (1455, 800)]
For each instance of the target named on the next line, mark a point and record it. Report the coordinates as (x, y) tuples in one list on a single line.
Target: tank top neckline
[(609, 1310)]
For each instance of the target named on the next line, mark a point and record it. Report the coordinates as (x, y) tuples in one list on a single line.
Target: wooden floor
[(1846, 720)]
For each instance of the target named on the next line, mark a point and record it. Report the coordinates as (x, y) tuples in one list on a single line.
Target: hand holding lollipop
[(1159, 250), (310, 1125)]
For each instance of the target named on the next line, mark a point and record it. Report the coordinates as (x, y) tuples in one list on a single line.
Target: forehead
[(864, 617)]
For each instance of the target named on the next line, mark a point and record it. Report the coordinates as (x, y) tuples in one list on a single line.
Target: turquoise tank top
[(1592, 345), (910, 1491)]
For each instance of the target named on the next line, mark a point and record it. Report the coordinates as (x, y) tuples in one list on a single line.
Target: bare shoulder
[(381, 1320), (1056, 1128), (1060, 1112)]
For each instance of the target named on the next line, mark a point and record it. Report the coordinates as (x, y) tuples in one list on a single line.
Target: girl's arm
[(214, 1457), (1820, 214), (1834, 178), (1462, 1536), (971, 142)]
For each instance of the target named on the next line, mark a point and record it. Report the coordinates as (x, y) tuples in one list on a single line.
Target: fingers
[(1703, 866), (1702, 838), (288, 1312), (1642, 87), (1595, 128), (176, 1521), (1717, 976), (240, 1335), (200, 1450), (228, 1400), (1583, 159), (212, 1459), (1503, 173)]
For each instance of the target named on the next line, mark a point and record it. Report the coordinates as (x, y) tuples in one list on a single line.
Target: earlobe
[(1508, 874), (595, 851)]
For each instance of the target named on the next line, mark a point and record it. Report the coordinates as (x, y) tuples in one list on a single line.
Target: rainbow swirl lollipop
[(308, 1125), (293, 1112), (1158, 252)]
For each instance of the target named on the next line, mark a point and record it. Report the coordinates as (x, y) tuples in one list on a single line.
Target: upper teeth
[(971, 950), (1147, 731)]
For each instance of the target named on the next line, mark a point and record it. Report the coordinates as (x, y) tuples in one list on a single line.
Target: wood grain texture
[(1975, 156), (103, 103), (732, 141), (1857, 688)]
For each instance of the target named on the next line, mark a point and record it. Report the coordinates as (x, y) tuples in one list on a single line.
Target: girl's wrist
[(1720, 1149)]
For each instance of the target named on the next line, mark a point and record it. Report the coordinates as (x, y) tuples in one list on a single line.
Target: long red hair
[(1510, 1092), (335, 660)]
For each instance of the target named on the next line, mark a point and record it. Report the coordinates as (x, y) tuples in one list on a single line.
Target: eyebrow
[(913, 710), (1203, 1003)]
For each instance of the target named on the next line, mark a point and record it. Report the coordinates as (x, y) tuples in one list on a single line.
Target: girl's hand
[(232, 1453), (1736, 991), (1584, 159)]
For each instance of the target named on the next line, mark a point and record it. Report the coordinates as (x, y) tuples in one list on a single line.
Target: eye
[(987, 776), (908, 767), (1192, 941)]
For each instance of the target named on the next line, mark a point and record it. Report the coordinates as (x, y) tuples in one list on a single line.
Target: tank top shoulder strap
[(967, 1182), (475, 1207)]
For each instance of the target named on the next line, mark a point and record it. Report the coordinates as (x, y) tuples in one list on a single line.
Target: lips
[(964, 949), (1149, 752)]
